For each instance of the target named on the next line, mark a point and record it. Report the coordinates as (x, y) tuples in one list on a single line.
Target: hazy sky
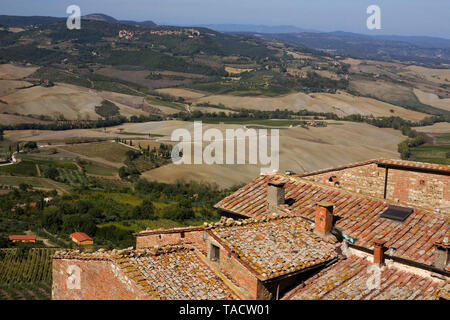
[(404, 17)]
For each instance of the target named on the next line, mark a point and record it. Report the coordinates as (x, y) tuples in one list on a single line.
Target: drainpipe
[(385, 182)]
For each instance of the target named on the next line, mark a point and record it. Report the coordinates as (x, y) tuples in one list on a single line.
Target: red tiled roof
[(21, 237), (359, 216), (347, 280), (166, 231), (80, 237), (414, 164), (166, 273), (273, 246)]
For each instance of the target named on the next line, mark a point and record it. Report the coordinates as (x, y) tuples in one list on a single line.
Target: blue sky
[(403, 17)]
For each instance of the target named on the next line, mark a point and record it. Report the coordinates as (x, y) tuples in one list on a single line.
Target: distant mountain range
[(308, 37), (423, 41), (254, 28), (20, 21), (109, 19)]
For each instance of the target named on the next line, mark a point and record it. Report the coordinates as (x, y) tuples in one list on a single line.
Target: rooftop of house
[(166, 231), (166, 273), (80, 236), (348, 279), (21, 237), (394, 163), (357, 216), (275, 245)]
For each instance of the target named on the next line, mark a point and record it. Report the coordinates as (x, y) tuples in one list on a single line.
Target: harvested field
[(140, 77), (10, 86), (72, 102), (56, 136), (185, 93), (9, 119), (441, 76), (300, 150), (432, 99), (211, 110), (340, 103), (441, 127), (11, 71), (233, 71)]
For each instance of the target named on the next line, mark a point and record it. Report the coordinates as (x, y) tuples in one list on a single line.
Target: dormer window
[(214, 253)]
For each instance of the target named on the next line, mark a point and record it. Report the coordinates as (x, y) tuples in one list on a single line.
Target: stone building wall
[(233, 269), (99, 280), (411, 188), (194, 237)]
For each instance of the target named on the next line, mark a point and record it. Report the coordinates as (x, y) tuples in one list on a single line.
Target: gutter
[(412, 168)]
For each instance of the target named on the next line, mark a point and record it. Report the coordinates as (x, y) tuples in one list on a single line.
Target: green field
[(72, 177), (433, 153), (26, 167), (33, 181), (25, 274), (140, 225), (109, 151), (124, 198), (26, 291), (165, 103), (99, 170)]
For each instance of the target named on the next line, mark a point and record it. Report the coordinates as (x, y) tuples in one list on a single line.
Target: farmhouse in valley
[(315, 235), (81, 238), (22, 238)]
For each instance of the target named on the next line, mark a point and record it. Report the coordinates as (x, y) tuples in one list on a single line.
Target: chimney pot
[(324, 217), (275, 195), (378, 251)]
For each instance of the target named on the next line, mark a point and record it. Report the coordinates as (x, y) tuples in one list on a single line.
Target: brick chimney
[(275, 195), (378, 251), (441, 256), (324, 217)]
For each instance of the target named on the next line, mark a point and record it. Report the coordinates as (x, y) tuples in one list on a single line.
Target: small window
[(160, 236), (214, 253), (205, 235), (182, 235), (333, 179), (422, 182)]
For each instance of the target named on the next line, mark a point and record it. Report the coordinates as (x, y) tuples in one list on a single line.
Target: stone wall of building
[(233, 269), (98, 280), (411, 188), (194, 237)]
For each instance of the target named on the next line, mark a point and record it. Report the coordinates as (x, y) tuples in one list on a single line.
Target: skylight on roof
[(397, 213)]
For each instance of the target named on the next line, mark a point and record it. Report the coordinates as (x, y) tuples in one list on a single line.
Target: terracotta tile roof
[(439, 168), (274, 246), (337, 168), (80, 236), (166, 231), (359, 216), (22, 238), (414, 164), (166, 273), (347, 280)]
